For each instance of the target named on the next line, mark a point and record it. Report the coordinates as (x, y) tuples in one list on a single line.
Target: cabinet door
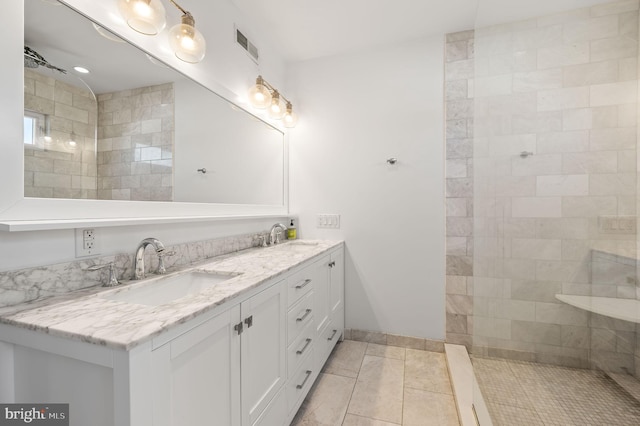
[(337, 281), (263, 350), (321, 306), (197, 375)]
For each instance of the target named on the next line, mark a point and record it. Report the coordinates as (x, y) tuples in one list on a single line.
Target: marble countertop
[(89, 317)]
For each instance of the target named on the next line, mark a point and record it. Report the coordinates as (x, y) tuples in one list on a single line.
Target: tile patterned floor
[(365, 384), (524, 393)]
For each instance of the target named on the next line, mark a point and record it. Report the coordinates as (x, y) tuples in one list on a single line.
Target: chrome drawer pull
[(306, 314), (304, 284), (304, 348), (301, 385), (333, 335)]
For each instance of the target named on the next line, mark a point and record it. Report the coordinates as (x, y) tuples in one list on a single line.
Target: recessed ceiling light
[(81, 70)]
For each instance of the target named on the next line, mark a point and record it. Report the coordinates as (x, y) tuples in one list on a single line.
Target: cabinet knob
[(332, 264), (249, 321)]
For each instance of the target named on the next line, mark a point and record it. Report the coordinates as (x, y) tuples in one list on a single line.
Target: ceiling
[(67, 39), (306, 29)]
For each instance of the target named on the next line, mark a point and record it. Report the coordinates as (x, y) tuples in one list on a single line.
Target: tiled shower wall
[(459, 68), (563, 89), (56, 169), (135, 144)]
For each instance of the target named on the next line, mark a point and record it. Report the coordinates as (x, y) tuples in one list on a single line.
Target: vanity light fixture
[(145, 16), (186, 41), (149, 17), (263, 95)]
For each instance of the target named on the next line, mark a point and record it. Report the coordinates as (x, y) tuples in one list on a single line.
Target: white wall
[(226, 66), (244, 157), (357, 111)]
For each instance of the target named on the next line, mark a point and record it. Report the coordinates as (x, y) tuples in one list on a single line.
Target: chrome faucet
[(274, 233), (138, 265)]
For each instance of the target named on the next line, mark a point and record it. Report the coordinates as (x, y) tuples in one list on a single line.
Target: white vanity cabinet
[(249, 361), (196, 378), (225, 371)]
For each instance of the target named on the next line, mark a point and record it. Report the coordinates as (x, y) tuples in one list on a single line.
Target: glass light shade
[(259, 96), (276, 108), (290, 118), (186, 41), (145, 16)]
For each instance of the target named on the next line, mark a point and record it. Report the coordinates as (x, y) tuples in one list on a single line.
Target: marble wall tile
[(563, 55), (459, 265), (588, 206), (577, 119), (613, 48), (590, 73), (527, 248), (458, 148), (613, 93), (457, 207), (459, 70), (590, 162), (612, 184), (459, 304), (535, 291), (536, 207), (536, 332), (560, 185), (560, 313)]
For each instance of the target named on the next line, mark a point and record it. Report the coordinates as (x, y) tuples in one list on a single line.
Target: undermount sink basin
[(165, 290), (295, 245)]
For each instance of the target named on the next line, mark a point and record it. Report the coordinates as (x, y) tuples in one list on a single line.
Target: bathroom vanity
[(243, 349)]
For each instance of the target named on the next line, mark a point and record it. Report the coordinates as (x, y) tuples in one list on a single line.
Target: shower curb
[(471, 412)]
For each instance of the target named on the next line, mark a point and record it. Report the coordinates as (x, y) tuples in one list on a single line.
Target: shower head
[(33, 59)]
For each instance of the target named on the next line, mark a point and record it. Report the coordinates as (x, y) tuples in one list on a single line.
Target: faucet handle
[(113, 280)]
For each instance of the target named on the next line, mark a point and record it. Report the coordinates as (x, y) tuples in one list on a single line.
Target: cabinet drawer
[(299, 316), (327, 339), (301, 381), (299, 284), (300, 348)]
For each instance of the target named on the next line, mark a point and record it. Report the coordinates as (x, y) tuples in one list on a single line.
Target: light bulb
[(290, 118), (277, 108), (186, 41), (259, 95), (144, 16)]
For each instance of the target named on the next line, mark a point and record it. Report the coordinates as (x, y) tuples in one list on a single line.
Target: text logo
[(34, 414)]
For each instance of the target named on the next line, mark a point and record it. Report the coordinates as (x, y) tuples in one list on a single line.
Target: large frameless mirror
[(132, 128)]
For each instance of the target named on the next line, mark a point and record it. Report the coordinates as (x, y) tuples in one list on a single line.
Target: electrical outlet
[(87, 242), (328, 221)]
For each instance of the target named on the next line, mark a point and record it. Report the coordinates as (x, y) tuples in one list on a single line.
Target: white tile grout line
[(465, 387)]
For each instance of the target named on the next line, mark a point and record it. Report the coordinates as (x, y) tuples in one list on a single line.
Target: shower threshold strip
[(622, 309), (472, 409)]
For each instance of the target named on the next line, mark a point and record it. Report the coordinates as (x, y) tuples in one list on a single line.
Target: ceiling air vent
[(243, 41)]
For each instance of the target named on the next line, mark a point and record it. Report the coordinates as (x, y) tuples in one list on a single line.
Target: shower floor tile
[(525, 393)]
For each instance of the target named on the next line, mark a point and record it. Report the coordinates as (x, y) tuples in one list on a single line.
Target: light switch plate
[(328, 221)]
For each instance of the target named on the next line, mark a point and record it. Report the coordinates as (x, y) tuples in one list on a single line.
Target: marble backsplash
[(25, 285)]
